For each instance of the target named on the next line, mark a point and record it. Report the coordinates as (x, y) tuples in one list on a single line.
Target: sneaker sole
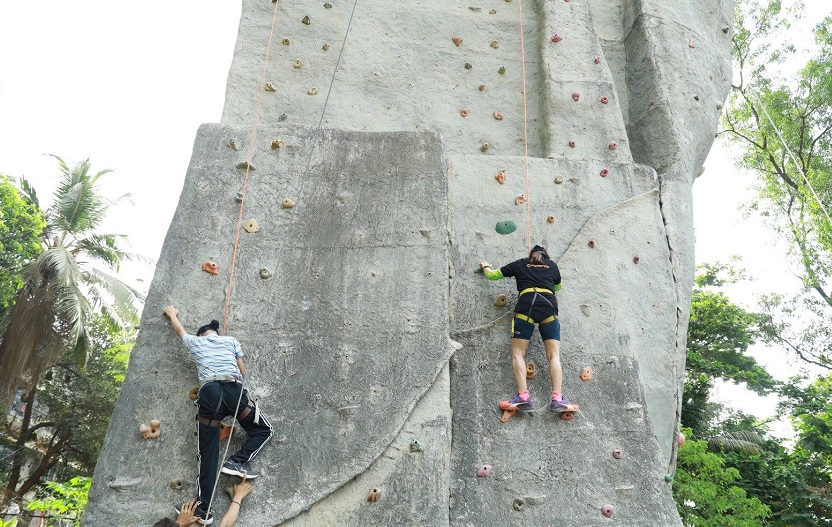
[(232, 472), (209, 521)]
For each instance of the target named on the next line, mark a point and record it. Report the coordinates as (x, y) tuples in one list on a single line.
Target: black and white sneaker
[(237, 469), (205, 517)]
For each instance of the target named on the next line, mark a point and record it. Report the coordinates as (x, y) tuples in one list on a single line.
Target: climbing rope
[(794, 161), (326, 103), (525, 132), (230, 286)]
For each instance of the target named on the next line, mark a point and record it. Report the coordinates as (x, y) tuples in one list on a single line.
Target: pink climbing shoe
[(517, 403), (562, 405)]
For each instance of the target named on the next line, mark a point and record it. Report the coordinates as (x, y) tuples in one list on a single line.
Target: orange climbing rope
[(230, 286), (525, 132)]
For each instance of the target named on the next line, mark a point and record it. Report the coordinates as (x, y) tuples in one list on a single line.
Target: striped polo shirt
[(215, 356)]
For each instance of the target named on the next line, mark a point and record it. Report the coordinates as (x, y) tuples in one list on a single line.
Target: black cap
[(214, 325), (537, 248)]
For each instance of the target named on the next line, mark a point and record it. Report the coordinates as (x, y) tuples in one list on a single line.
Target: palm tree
[(62, 289)]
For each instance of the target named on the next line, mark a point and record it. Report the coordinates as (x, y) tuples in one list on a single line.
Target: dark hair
[(166, 522), (541, 250), (214, 325)]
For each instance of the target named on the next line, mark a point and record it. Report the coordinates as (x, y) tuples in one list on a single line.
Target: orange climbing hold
[(457, 41), (498, 116), (586, 374), (152, 431), (374, 496), (520, 199), (501, 177), (531, 369), (211, 268)]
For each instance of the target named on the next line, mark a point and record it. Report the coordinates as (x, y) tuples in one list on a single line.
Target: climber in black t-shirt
[(537, 278)]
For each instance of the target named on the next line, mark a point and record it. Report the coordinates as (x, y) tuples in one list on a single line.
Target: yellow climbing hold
[(313, 91), (277, 143), (287, 203), (270, 87), (251, 226)]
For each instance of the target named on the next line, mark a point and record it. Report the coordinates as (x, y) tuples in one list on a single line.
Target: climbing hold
[(468, 66), (518, 504), (482, 87), (152, 431), (591, 244), (719, 106), (605, 100), (239, 197), (558, 180), (505, 227), (597, 59), (498, 116), (613, 145), (607, 510), (211, 268), (501, 177), (287, 203), (502, 70), (457, 41), (327, 5), (226, 428), (636, 259), (692, 44), (282, 117), (193, 394), (286, 41), (415, 445), (484, 471), (251, 226), (233, 144), (550, 219), (313, 91), (297, 64), (245, 165), (520, 199), (725, 29), (495, 44), (571, 143), (492, 12), (325, 47), (277, 143), (484, 147), (270, 87), (374, 496), (668, 478), (576, 96), (681, 439), (556, 38), (306, 21), (463, 112), (586, 374), (604, 172), (177, 484), (501, 300), (617, 454), (531, 369), (265, 273)]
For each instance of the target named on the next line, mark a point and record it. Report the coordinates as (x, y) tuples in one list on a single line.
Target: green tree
[(21, 225), (719, 334), (782, 124), (706, 492), (63, 501), (61, 288)]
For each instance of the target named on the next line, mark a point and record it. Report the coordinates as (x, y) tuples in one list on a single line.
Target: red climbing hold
[(604, 172), (556, 38), (571, 143), (613, 145), (604, 100), (617, 454), (484, 471), (597, 59), (591, 244), (636, 259), (607, 510), (211, 268), (681, 439), (576, 96)]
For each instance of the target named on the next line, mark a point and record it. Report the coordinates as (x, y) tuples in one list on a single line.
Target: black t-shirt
[(545, 274)]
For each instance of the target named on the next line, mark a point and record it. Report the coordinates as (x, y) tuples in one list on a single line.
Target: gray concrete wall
[(387, 232)]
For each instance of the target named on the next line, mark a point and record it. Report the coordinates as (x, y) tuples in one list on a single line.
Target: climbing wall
[(397, 145)]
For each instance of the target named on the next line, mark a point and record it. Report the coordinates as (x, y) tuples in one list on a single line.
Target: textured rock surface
[(352, 340)]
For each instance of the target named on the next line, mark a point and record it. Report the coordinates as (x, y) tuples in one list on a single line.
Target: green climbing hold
[(502, 70), (282, 117), (668, 478), (327, 6), (506, 227), (468, 66)]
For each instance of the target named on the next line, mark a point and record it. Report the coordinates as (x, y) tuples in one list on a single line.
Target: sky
[(128, 84)]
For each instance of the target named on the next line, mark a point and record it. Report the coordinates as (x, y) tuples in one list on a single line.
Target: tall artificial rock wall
[(373, 346)]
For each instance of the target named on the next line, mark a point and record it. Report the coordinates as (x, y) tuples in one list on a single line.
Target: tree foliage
[(21, 225), (63, 501)]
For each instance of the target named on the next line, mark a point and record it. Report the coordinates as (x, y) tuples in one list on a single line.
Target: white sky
[(127, 84)]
